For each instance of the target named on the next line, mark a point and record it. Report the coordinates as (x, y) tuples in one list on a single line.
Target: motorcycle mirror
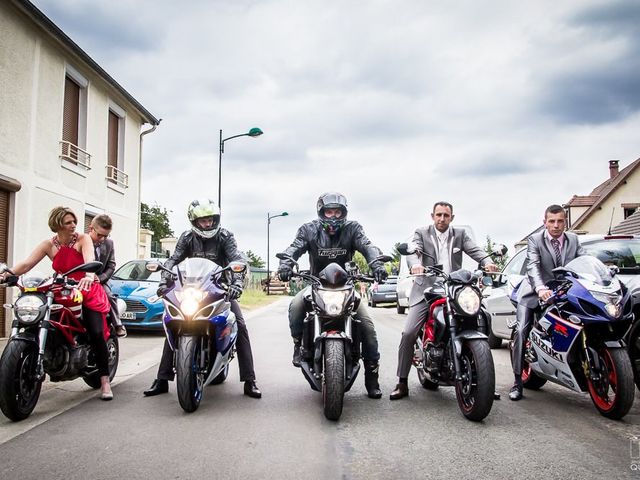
[(499, 250), (351, 266), (237, 267), (152, 267), (405, 248), (283, 256)]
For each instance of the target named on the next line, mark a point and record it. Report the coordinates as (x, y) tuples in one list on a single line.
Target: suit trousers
[(415, 319), (370, 353), (243, 347), (521, 331)]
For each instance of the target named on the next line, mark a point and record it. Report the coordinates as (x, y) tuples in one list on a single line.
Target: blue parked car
[(134, 284)]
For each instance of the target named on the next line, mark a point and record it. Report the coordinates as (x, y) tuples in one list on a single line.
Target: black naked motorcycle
[(330, 347), (452, 348)]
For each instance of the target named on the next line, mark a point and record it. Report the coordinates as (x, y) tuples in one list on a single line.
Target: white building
[(69, 135)]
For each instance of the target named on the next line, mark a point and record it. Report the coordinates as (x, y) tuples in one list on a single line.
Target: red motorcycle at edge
[(47, 338)]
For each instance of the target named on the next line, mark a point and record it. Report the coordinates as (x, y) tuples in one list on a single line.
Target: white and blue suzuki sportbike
[(577, 342), (199, 324)]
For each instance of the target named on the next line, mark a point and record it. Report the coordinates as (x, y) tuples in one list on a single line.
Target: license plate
[(128, 316)]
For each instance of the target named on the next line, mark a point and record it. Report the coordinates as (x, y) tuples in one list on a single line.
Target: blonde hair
[(57, 215)]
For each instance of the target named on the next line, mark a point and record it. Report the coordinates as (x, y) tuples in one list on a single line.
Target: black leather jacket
[(324, 248), (221, 249)]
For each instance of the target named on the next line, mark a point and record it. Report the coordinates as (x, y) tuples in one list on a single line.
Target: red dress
[(67, 258)]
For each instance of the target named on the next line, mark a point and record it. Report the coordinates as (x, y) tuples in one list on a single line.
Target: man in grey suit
[(551, 248), (443, 245), (99, 231)]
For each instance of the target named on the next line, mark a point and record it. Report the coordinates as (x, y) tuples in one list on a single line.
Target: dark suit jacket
[(106, 255), (541, 260), (425, 238)]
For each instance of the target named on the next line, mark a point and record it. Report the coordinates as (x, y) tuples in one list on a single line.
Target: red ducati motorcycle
[(47, 338)]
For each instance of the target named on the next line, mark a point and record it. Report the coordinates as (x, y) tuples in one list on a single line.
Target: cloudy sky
[(499, 107)]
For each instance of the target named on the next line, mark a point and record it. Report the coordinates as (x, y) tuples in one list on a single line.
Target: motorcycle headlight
[(333, 300), (468, 300), (190, 299), (611, 302), (28, 308)]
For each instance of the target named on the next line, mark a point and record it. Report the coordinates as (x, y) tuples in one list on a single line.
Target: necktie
[(97, 250), (555, 243)]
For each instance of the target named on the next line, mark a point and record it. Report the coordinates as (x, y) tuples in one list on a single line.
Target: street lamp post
[(269, 217), (254, 132)]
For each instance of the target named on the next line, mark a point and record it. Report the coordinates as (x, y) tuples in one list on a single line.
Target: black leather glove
[(164, 287), (234, 292), (284, 272), (380, 274)]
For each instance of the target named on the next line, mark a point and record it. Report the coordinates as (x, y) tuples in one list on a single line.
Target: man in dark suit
[(551, 248), (99, 231), (444, 245)]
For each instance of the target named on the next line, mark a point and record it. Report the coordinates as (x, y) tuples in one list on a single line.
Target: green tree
[(254, 260), (499, 261), (156, 219), (361, 262)]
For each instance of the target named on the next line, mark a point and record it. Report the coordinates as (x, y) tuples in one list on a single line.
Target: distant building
[(610, 203), (69, 135), (613, 206)]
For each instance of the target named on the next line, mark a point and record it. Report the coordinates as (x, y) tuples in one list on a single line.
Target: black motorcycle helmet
[(332, 200)]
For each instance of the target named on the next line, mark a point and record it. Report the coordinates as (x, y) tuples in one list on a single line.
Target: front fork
[(455, 348), (42, 337), (591, 363)]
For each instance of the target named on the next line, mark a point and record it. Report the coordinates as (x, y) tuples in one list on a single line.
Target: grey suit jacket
[(425, 238), (106, 255), (541, 260)]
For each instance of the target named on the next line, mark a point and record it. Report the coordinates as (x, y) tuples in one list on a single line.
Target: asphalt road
[(552, 433)]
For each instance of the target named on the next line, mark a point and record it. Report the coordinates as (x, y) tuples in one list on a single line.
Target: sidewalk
[(138, 352)]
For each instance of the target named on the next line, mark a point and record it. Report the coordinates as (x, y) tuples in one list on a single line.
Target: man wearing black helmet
[(207, 239), (331, 238)]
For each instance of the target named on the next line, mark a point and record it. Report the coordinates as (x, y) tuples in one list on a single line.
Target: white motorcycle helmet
[(204, 208)]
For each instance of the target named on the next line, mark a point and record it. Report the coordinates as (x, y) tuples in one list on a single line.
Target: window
[(629, 209), (516, 265), (74, 120), (115, 147), (88, 217)]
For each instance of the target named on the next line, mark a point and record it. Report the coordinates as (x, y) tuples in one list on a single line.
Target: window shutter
[(112, 152), (4, 234), (87, 222), (71, 111)]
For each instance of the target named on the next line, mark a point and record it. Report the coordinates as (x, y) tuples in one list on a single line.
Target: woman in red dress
[(68, 249)]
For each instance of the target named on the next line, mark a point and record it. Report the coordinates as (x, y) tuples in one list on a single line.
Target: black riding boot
[(371, 380), (296, 352)]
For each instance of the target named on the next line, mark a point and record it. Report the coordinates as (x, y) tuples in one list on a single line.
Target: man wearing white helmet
[(207, 239)]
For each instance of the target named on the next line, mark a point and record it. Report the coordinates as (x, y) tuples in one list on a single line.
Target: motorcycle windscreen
[(333, 275), (196, 271), (591, 269)]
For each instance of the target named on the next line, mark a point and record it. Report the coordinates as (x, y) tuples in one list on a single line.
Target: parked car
[(620, 250), (382, 292), (137, 286)]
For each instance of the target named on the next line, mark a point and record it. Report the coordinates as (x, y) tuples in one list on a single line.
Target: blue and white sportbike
[(577, 339), (199, 324)]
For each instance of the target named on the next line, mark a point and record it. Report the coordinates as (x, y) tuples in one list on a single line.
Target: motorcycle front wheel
[(189, 380), (476, 388), (333, 384), (113, 355), (613, 391), (19, 385)]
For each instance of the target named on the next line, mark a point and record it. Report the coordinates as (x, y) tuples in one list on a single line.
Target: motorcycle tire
[(221, 377), (113, 355), (189, 382), (19, 387), (633, 347), (613, 393), (400, 309), (475, 391), (333, 384), (425, 379)]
